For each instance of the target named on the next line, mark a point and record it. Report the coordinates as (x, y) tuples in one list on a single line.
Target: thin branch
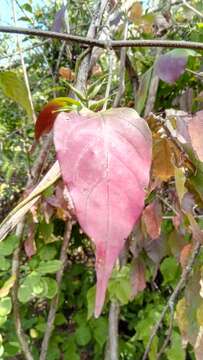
[(121, 88), (101, 43), (25, 75), (112, 345), (24, 50), (108, 87), (169, 332), (55, 300), (172, 299), (14, 295), (198, 13), (83, 69)]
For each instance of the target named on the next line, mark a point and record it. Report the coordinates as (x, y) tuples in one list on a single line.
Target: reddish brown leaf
[(152, 219), (138, 281), (184, 255), (29, 243), (162, 166), (48, 115), (135, 11), (105, 162), (66, 73)]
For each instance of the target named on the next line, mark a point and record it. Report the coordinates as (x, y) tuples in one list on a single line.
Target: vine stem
[(172, 299), (55, 300), (14, 296), (102, 43)]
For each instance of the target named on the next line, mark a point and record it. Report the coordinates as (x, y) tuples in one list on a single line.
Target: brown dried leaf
[(66, 73), (96, 70), (184, 255), (135, 11), (152, 219), (138, 281), (162, 166)]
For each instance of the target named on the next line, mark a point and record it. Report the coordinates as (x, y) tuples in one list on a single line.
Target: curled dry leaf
[(105, 161), (66, 73), (152, 219)]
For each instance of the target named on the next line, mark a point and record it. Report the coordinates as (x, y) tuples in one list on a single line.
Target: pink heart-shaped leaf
[(105, 160)]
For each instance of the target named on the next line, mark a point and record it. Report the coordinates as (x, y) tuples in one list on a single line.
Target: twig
[(172, 299), (185, 3), (24, 50), (55, 300), (108, 87), (121, 88), (169, 332), (101, 43), (83, 69), (14, 295), (165, 201)]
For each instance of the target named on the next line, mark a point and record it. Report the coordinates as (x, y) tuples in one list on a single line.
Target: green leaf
[(83, 335), (154, 348), (5, 306), (27, 7), (13, 86), (101, 331), (4, 291), (183, 52), (77, 92), (143, 91), (49, 267), (52, 287), (47, 252), (119, 285), (175, 351), (9, 245), (94, 88), (91, 294), (30, 287), (170, 270), (4, 263), (24, 293)]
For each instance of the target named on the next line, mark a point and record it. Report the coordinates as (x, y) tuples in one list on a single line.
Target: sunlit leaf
[(48, 114), (162, 166), (13, 86)]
